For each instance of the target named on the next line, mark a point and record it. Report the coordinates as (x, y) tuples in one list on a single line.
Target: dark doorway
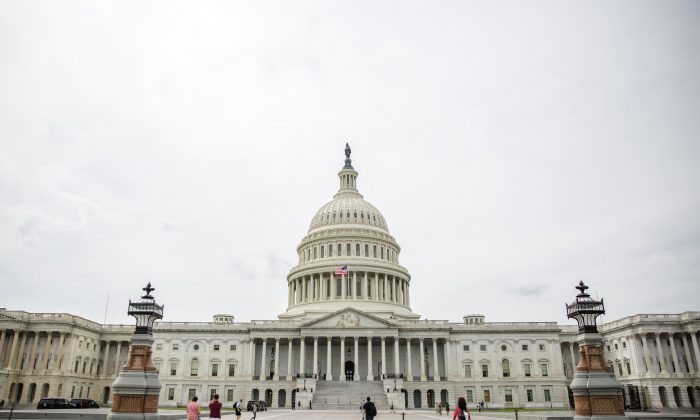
[(293, 401), (431, 398), (268, 397), (281, 397), (105, 395), (254, 395), (405, 398), (443, 396), (416, 399), (349, 371)]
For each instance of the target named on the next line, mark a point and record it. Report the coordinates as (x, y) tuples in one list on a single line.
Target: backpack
[(371, 410)]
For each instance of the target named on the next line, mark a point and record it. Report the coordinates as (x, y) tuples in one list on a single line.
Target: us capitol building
[(349, 332)]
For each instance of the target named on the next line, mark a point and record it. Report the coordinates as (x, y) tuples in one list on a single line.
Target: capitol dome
[(348, 258)]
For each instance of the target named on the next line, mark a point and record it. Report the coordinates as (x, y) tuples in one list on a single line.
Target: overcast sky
[(514, 148)]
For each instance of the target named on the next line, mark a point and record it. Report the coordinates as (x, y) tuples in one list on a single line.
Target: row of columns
[(12, 357), (329, 367), (314, 288), (664, 368)]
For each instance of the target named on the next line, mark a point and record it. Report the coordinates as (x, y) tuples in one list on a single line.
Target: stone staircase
[(347, 395)]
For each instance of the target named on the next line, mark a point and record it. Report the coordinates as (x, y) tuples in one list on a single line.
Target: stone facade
[(353, 330)]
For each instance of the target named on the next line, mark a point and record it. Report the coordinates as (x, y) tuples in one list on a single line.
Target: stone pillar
[(573, 358), (694, 339), (251, 359), (353, 285), (118, 357), (409, 373), (13, 350), (376, 286), (660, 352), (315, 371), (333, 289), (436, 371), (341, 377), (383, 357), (59, 364), (446, 355), (370, 368), (329, 363), (32, 356), (394, 291), (290, 375), (674, 356), (277, 358), (422, 361), (20, 355), (263, 360), (2, 345), (343, 287), (322, 287), (397, 366), (645, 350), (688, 357), (302, 355), (356, 375), (365, 287), (304, 298)]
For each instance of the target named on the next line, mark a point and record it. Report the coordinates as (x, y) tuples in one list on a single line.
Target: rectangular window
[(619, 369), (545, 371), (374, 249), (171, 394), (629, 370), (509, 396), (158, 366), (215, 369), (529, 395), (173, 369), (624, 344), (482, 347), (216, 347), (357, 250), (608, 347), (527, 369), (340, 250), (211, 393), (191, 393), (323, 251), (487, 396), (468, 371), (176, 346), (366, 250), (484, 371), (547, 395), (470, 396), (541, 347), (72, 392), (159, 346), (616, 347), (347, 249), (229, 395), (524, 347), (232, 347), (465, 347)]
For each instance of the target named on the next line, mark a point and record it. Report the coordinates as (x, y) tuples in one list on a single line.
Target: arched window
[(341, 214), (366, 250), (330, 251), (348, 250), (505, 365), (323, 248), (382, 249), (340, 250), (375, 251), (194, 367), (357, 250), (314, 252)]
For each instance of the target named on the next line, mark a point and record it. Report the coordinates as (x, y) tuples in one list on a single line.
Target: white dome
[(348, 209)]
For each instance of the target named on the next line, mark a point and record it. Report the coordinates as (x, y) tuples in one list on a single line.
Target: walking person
[(215, 408), (238, 407), (370, 409), (193, 409), (461, 411), (255, 411), (362, 410)]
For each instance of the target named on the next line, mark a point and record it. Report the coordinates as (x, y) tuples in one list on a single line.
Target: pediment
[(349, 318)]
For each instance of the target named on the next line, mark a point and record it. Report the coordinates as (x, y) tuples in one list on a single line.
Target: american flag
[(341, 271)]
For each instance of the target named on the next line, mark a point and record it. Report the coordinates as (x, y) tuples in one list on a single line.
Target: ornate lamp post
[(137, 386), (597, 393)]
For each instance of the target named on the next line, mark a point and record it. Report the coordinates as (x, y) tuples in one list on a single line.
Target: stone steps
[(348, 395)]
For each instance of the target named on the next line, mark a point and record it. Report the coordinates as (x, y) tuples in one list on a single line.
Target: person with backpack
[(461, 412), (238, 407), (370, 410)]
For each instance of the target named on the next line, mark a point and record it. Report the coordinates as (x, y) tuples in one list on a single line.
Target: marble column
[(13, 350), (660, 352), (446, 354), (251, 358), (674, 356), (2, 346), (32, 356), (397, 366), (277, 359), (263, 360), (688, 357), (302, 355), (422, 361), (356, 375), (290, 375), (694, 339), (343, 287), (341, 377), (645, 350), (573, 358), (365, 287), (376, 286), (303, 290), (353, 285), (333, 286), (409, 371), (383, 357), (370, 369), (329, 363), (20, 355), (436, 371), (315, 370), (59, 364)]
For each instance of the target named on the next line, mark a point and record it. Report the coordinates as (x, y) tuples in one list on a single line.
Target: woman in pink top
[(193, 409)]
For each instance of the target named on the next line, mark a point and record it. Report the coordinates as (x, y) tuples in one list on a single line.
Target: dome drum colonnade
[(348, 232)]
